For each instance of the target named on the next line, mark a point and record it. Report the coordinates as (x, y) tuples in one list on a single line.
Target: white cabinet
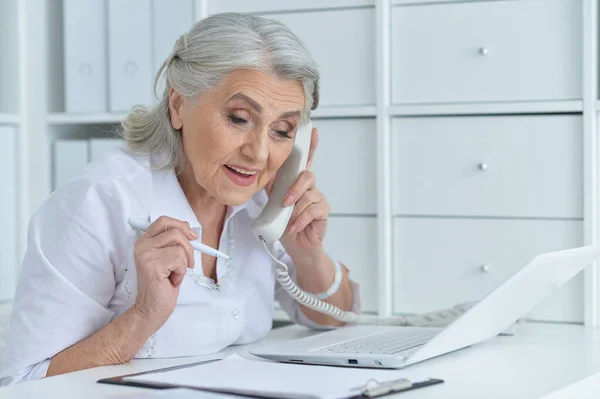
[(480, 196), (9, 261), (345, 165), (487, 51), (353, 241), (440, 262), (341, 42), (507, 166)]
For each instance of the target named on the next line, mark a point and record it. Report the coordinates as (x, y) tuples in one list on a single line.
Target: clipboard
[(372, 388)]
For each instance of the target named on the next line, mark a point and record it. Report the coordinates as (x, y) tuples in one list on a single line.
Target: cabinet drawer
[(440, 262), (345, 164), (353, 241), (519, 166), (487, 51), (341, 42)]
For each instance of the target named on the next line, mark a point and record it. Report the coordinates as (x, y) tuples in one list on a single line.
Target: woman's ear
[(176, 104)]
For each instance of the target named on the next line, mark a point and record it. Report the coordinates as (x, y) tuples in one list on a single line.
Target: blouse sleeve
[(67, 279), (291, 307)]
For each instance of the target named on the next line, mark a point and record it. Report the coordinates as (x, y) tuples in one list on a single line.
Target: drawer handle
[(484, 51), (482, 166), (484, 268)]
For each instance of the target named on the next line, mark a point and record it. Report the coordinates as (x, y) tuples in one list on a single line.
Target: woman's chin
[(236, 198)]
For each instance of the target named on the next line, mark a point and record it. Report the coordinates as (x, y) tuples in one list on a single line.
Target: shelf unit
[(40, 116)]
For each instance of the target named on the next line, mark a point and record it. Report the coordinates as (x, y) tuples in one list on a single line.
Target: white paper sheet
[(237, 375), (179, 393)]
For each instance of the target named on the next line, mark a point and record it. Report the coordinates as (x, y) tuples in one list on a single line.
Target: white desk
[(542, 359)]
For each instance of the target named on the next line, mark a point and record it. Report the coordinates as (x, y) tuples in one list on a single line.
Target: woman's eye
[(237, 120), (283, 133)]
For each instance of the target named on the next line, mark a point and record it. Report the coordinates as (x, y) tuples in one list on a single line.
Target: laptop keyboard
[(385, 343)]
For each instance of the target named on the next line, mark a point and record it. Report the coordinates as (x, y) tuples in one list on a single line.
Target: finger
[(314, 212), (310, 197), (165, 223), (305, 182), (173, 238), (175, 261), (314, 143)]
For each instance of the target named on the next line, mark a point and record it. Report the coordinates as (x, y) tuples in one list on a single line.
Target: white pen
[(197, 245)]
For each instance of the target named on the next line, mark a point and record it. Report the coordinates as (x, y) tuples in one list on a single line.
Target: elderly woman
[(93, 291)]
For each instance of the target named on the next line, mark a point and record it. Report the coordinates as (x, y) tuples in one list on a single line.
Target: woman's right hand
[(162, 256)]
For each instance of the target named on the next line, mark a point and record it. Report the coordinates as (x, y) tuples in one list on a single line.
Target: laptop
[(396, 347)]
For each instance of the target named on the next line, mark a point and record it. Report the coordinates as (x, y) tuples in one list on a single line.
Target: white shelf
[(84, 119), (9, 119), (422, 2), (272, 6), (61, 118), (344, 112), (487, 108)]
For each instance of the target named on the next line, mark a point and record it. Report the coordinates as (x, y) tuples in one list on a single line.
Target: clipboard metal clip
[(374, 388)]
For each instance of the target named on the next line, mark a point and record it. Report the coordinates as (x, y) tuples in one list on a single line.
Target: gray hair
[(200, 60)]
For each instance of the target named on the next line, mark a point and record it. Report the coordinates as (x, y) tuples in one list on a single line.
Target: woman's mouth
[(240, 175)]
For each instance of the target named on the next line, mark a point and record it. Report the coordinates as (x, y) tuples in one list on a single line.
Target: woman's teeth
[(242, 171)]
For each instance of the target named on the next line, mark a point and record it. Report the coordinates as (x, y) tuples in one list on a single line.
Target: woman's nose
[(257, 147)]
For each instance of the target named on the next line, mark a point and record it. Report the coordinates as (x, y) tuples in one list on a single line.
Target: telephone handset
[(270, 225)]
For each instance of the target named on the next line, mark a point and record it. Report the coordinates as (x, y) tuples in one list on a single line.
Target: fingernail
[(292, 229), (193, 234), (289, 200)]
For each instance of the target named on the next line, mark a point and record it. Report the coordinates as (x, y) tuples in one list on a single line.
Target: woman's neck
[(208, 210)]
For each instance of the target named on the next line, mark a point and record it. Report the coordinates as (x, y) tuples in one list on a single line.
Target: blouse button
[(235, 314)]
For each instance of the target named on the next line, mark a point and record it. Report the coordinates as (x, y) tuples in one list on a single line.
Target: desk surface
[(541, 359)]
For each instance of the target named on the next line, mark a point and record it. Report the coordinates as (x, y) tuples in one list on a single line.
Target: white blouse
[(78, 273)]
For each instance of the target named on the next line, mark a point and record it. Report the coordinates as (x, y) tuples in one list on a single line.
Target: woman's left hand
[(308, 223)]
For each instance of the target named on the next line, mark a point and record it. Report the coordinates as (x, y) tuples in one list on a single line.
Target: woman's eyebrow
[(253, 103), (259, 108), (290, 114)]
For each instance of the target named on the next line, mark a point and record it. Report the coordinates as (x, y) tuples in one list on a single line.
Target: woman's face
[(237, 135)]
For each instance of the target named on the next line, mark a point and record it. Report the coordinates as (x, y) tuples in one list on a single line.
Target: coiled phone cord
[(430, 319), (299, 295)]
